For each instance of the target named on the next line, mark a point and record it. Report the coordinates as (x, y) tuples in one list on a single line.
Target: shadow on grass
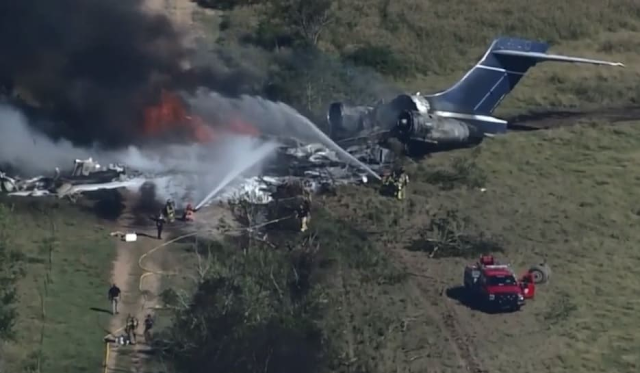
[(109, 204), (462, 296), (101, 310), (142, 234)]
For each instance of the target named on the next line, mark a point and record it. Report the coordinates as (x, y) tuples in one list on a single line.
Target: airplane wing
[(135, 183)]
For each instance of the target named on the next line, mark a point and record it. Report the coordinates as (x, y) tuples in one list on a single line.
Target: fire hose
[(148, 272)]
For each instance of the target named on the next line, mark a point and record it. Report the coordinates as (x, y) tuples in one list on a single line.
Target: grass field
[(568, 195), (433, 43), (56, 327)]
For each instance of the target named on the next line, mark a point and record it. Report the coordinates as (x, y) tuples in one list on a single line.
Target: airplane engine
[(349, 119), (415, 126)]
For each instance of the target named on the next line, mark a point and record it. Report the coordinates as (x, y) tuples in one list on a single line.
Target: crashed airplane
[(458, 116)]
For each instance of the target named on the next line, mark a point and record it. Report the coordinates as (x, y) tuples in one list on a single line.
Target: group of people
[(167, 214), (131, 324), (395, 183)]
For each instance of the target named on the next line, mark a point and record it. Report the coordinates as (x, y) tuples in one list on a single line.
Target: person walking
[(114, 298), (160, 225), (130, 328), (148, 324)]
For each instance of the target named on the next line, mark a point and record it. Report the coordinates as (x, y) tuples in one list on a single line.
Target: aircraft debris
[(314, 166), (86, 176)]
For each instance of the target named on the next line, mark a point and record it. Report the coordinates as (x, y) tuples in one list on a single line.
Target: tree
[(305, 19), (10, 271), (254, 311)]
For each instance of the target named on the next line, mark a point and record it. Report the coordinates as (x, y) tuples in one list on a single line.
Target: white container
[(130, 237)]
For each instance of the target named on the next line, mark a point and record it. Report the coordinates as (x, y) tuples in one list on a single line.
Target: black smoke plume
[(93, 65)]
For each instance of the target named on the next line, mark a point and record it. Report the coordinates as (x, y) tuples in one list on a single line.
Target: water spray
[(246, 162), (335, 147), (271, 118)]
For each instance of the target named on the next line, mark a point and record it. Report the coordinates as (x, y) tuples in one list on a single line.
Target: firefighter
[(148, 324), (401, 180), (160, 225), (130, 328), (188, 213), (387, 182), (392, 183), (170, 211), (306, 193), (304, 214), (114, 297)]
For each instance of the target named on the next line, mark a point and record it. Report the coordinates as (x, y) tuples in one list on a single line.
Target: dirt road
[(127, 276)]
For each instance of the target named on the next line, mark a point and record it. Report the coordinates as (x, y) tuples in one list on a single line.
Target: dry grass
[(568, 195), (436, 42)]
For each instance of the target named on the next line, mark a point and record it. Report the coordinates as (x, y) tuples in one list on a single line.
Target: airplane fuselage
[(461, 114)]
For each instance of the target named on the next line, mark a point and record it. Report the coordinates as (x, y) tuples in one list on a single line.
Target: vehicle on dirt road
[(494, 287)]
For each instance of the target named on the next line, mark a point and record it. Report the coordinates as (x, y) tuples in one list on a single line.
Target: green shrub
[(380, 58)]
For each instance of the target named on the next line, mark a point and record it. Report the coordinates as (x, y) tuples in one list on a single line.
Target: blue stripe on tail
[(483, 87)]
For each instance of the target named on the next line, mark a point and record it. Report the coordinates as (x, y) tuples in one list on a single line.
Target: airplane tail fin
[(506, 61)]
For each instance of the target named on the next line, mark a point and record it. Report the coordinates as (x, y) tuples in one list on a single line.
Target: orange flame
[(171, 116), (241, 127)]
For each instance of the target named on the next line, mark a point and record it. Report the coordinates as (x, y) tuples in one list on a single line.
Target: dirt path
[(126, 275)]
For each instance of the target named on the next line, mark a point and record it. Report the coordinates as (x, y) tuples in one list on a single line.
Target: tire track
[(441, 309), (463, 341)]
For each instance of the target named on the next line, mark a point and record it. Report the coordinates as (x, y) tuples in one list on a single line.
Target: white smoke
[(185, 173), (30, 151), (272, 118)]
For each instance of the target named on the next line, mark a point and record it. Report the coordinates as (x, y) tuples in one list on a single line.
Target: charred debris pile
[(314, 167)]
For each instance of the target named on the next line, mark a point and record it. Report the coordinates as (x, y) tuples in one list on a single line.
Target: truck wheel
[(540, 273)]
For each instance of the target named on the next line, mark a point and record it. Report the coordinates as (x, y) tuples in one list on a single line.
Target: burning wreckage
[(86, 175), (458, 116), (314, 166)]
